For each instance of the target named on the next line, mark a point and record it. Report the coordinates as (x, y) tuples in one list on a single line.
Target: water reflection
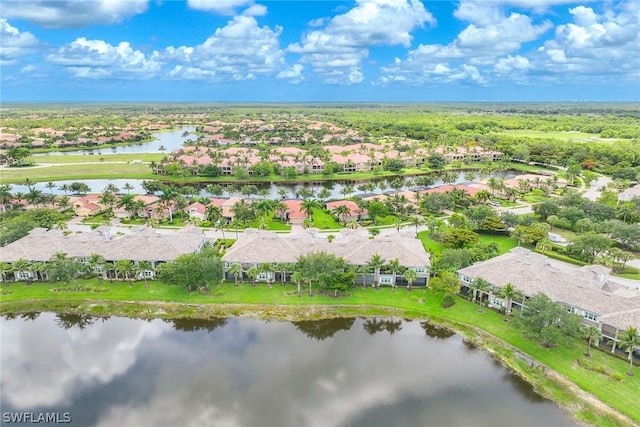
[(325, 328), (436, 331), (193, 325), (243, 372)]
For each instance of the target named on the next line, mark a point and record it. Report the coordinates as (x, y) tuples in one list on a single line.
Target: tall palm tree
[(253, 273), (5, 268), (21, 265), (141, 267), (213, 214), (509, 292), (51, 185), (341, 212), (282, 268), (124, 267), (376, 263), (95, 261), (394, 266), (297, 278), (593, 335), (630, 340), (34, 196), (5, 196), (237, 270), (167, 197), (410, 276), (128, 187), (480, 287), (308, 205)]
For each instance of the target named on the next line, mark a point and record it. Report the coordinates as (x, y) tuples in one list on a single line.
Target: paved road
[(593, 192)]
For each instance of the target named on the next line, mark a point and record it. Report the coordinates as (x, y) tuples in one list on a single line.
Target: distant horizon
[(299, 51)]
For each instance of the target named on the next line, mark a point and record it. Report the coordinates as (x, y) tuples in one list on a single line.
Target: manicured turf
[(95, 158), (618, 390), (324, 221), (505, 243), (567, 136)]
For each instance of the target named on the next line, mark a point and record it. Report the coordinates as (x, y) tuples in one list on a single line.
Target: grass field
[(95, 158), (324, 221), (619, 390), (505, 243), (78, 172), (567, 136)]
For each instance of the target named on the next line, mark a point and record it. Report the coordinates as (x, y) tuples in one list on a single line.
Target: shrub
[(448, 301)]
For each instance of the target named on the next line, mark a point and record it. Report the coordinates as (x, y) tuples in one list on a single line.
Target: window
[(83, 259), (147, 273), (262, 276), (100, 269), (590, 316), (498, 302), (24, 274), (386, 280), (466, 279), (571, 309), (420, 270)]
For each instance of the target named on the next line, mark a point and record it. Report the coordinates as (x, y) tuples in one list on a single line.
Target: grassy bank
[(90, 167), (154, 299)]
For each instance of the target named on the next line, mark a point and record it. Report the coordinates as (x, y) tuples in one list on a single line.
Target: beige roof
[(589, 288), (142, 244), (263, 246)]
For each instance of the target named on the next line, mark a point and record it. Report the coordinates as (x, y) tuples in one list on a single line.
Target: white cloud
[(492, 33), (14, 43), (255, 10), (220, 7), (606, 44), (97, 59), (70, 13), (337, 50), (512, 63), (294, 73), (241, 50)]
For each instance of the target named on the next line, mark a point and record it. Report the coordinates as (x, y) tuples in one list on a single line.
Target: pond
[(334, 187), (248, 372), (170, 140)]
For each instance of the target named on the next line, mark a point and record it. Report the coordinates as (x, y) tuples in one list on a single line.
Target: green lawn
[(429, 244), (566, 136), (271, 224), (505, 243), (622, 392), (324, 221), (95, 158), (78, 172)]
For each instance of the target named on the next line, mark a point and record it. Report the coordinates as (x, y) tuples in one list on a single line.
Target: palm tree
[(629, 340), (141, 268), (483, 196), (308, 205), (5, 196), (297, 278), (128, 187), (167, 197), (34, 196), (509, 292), (262, 207), (480, 287), (410, 276), (341, 212), (281, 267), (394, 266), (213, 214), (95, 261), (5, 268), (282, 192), (65, 188), (124, 267), (253, 273), (416, 222), (593, 335), (21, 265), (268, 268), (376, 263), (51, 185), (236, 269)]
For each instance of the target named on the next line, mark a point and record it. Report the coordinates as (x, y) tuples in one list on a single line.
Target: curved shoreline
[(580, 404)]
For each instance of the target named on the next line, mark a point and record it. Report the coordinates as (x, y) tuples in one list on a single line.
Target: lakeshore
[(558, 376)]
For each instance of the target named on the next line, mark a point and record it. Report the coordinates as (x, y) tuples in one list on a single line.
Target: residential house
[(254, 248), (611, 303)]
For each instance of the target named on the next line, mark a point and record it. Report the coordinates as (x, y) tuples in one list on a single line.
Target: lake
[(249, 372), (334, 187), (170, 140)]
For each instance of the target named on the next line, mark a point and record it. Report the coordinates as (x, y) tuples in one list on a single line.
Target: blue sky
[(365, 50)]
